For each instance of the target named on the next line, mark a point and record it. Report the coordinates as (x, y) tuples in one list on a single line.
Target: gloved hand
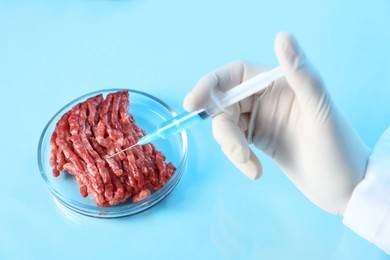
[(294, 121)]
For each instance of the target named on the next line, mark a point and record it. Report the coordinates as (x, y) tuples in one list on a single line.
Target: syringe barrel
[(244, 90)]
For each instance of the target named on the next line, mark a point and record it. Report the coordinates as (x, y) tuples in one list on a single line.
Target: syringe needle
[(121, 151)]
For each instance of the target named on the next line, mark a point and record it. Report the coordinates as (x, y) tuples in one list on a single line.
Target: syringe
[(186, 120)]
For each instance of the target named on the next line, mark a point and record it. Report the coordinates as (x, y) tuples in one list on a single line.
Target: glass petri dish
[(149, 112)]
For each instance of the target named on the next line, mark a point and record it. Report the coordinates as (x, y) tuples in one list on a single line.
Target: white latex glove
[(294, 121)]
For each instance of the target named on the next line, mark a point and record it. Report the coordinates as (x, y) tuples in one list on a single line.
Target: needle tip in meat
[(121, 151)]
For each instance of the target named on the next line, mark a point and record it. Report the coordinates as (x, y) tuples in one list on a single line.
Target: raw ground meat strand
[(150, 164), (119, 192), (161, 167), (97, 153), (126, 120), (100, 132), (75, 165), (134, 133), (80, 149), (131, 168), (63, 141), (142, 195), (104, 113), (128, 179), (114, 164), (170, 171), (101, 150), (118, 140), (61, 160), (81, 173), (53, 155), (94, 107), (165, 172), (115, 112), (123, 142), (100, 163), (129, 165), (57, 158), (98, 127), (80, 180), (85, 185), (104, 138), (103, 163), (135, 171), (115, 132), (139, 175)]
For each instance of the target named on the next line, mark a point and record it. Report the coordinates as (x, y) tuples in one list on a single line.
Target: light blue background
[(54, 51)]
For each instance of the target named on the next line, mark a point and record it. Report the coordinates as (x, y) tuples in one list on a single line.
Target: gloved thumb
[(299, 73)]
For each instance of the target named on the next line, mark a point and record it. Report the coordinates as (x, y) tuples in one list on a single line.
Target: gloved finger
[(220, 80), (300, 75), (199, 97), (252, 168), (229, 133)]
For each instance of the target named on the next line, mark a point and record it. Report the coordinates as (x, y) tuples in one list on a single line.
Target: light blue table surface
[(51, 52)]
